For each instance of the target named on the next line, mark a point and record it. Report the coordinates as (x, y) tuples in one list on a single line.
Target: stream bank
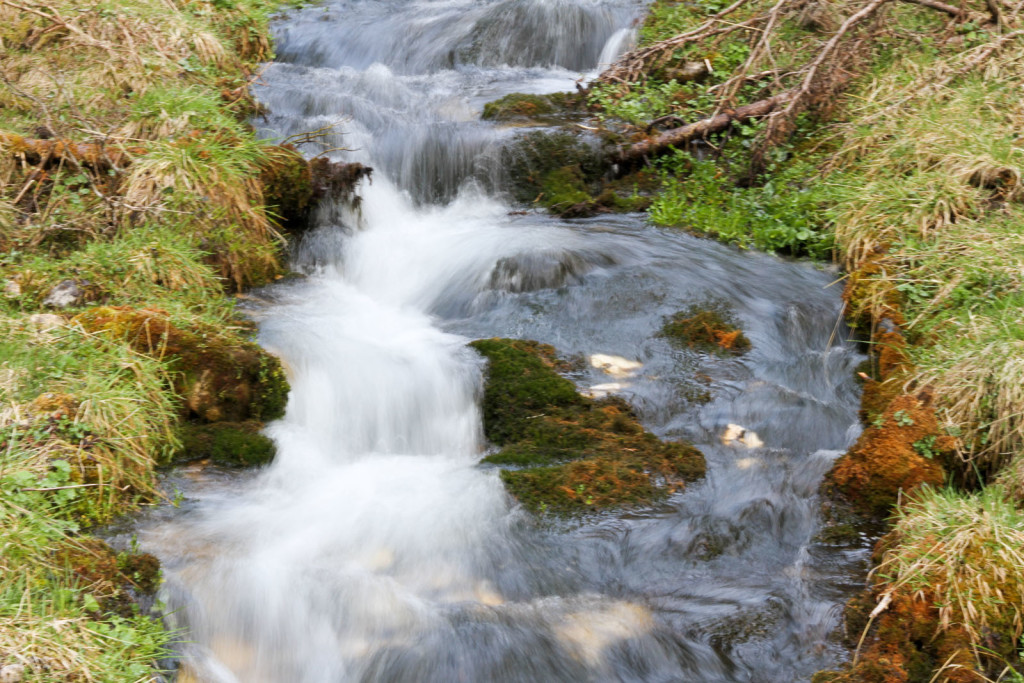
[(130, 212), (887, 161)]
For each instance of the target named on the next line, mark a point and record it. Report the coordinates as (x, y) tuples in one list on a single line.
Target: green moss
[(218, 377), (563, 189), (531, 157), (572, 453), (271, 389), (523, 106), (227, 443), (287, 186), (708, 327), (521, 385)]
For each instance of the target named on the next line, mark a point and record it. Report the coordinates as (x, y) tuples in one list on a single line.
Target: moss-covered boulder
[(526, 108), (565, 452), (568, 173), (707, 327), (293, 185), (219, 377), (227, 443)]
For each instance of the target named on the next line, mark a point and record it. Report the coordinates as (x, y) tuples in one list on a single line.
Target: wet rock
[(219, 378), (227, 443), (568, 172), (616, 366), (563, 451), (736, 434), (524, 108), (293, 185)]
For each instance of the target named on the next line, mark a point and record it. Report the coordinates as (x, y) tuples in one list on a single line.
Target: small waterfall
[(374, 548)]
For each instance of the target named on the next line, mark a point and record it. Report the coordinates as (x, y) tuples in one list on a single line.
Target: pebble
[(12, 673)]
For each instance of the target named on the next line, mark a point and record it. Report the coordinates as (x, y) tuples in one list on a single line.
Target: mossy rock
[(219, 377), (287, 184), (227, 443), (567, 453), (523, 107), (569, 174), (708, 327), (529, 159), (292, 186), (112, 581)]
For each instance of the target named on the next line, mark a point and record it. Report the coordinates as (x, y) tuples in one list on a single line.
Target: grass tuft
[(980, 591)]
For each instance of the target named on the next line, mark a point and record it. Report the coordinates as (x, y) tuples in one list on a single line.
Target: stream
[(375, 547)]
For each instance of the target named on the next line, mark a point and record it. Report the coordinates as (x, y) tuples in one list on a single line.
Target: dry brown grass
[(965, 554)]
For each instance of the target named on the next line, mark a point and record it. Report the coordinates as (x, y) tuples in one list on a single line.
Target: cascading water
[(375, 548)]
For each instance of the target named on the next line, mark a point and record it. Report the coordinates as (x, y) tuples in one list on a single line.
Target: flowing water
[(375, 548)]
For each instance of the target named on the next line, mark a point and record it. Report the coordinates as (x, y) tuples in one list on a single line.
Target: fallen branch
[(702, 128), (40, 152), (805, 88), (632, 64), (951, 10)]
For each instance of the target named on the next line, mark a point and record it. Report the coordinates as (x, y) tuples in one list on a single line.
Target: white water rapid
[(375, 548)]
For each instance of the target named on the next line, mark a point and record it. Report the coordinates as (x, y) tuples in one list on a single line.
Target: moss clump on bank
[(218, 378), (226, 443), (933, 614), (707, 327), (567, 453)]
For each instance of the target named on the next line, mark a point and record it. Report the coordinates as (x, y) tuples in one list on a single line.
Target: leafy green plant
[(779, 215)]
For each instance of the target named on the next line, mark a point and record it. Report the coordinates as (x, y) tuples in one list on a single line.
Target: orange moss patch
[(903, 644), (55, 406), (706, 328), (46, 152), (891, 354), (885, 461), (217, 378)]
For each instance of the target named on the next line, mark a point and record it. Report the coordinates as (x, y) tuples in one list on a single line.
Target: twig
[(826, 52), (61, 488)]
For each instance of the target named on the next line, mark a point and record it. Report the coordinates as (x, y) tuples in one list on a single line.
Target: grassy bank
[(131, 207), (902, 159)]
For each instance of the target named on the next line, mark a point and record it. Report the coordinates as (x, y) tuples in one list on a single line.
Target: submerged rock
[(708, 327), (566, 452)]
